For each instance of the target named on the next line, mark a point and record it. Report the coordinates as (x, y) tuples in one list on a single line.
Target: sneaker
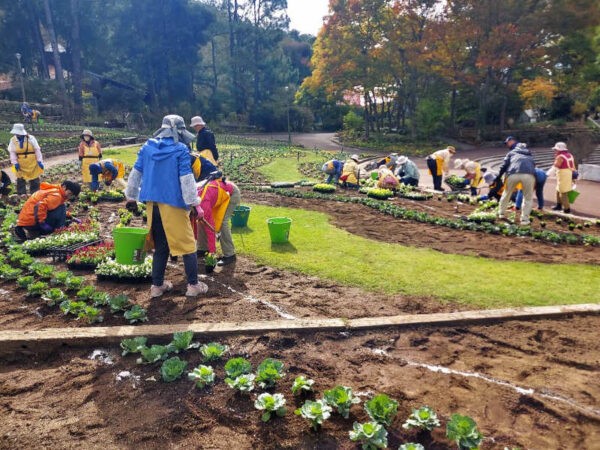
[(193, 290), (226, 260), (567, 211), (157, 291), (557, 208)]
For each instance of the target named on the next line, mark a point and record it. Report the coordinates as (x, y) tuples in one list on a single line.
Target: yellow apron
[(220, 206), (477, 178), (207, 153), (178, 229), (29, 169), (564, 180), (90, 156), (439, 164)]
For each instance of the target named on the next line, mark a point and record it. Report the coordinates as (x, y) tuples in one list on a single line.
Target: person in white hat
[(564, 166), (26, 158), (438, 165), (407, 171), (350, 173), (473, 173), (205, 140), (90, 152)]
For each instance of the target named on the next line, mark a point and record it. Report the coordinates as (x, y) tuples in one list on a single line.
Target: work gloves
[(41, 164), (17, 167), (131, 206)]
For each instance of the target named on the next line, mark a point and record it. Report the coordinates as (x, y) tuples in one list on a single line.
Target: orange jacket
[(35, 209)]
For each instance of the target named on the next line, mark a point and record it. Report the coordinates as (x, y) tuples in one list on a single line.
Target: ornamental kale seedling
[(424, 418), (237, 366), (73, 283), (213, 351), (86, 293), (54, 296), (243, 383), (136, 314), (60, 278), (37, 289), (8, 273), (182, 340), (268, 372), (411, 446), (100, 298), (44, 271), (302, 384), (172, 369), (25, 281), (72, 307), (153, 354), (463, 430), (133, 345), (382, 409), (341, 397), (91, 314), (202, 375), (371, 434), (270, 404), (315, 412), (119, 303)]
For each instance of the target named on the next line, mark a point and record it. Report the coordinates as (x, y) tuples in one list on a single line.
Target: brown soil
[(66, 400)]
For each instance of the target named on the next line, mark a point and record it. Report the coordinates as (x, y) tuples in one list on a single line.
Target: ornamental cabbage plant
[(341, 397), (60, 278), (91, 314), (411, 446), (237, 366), (182, 340), (268, 372), (243, 383), (54, 296), (270, 404), (172, 369), (25, 281), (136, 314), (315, 412), (202, 375), (382, 409), (133, 345), (152, 354), (119, 303), (463, 430), (213, 351), (371, 434), (86, 293), (73, 283), (424, 418), (37, 289), (302, 384)]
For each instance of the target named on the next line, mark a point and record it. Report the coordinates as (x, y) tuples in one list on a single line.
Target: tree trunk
[(367, 115), (37, 36), (76, 57), (57, 63)]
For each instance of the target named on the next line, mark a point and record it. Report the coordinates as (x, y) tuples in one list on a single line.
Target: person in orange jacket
[(45, 210)]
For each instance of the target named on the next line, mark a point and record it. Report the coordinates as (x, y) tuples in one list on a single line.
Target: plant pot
[(209, 268)]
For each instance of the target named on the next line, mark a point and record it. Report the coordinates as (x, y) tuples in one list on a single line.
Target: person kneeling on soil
[(350, 173), (473, 173), (495, 185), (407, 171), (387, 180), (111, 171), (219, 199), (333, 168), (162, 177), (45, 210)]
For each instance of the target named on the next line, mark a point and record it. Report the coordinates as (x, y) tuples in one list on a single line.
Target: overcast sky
[(306, 16)]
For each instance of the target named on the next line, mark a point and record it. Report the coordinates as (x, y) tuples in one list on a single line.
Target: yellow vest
[(28, 165)]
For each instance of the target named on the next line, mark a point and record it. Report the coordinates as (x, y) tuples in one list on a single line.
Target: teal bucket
[(129, 245), (279, 229), (240, 216)]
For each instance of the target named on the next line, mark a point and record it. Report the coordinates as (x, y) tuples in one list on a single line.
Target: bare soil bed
[(64, 399)]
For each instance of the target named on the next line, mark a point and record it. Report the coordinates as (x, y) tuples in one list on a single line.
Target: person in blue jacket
[(333, 168), (407, 171), (162, 177), (540, 181)]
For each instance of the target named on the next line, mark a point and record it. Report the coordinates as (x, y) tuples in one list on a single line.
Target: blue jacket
[(518, 160), (162, 162)]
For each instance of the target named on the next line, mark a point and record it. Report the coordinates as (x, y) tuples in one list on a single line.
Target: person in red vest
[(564, 166), (45, 210)]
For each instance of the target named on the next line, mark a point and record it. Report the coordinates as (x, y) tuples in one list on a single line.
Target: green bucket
[(279, 229), (129, 245), (374, 176), (240, 216), (572, 195)]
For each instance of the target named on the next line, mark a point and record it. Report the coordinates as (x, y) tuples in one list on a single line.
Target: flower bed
[(324, 188), (88, 257), (110, 270), (41, 246)]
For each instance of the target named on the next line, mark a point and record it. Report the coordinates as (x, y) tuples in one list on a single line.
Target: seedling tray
[(62, 253), (118, 279)]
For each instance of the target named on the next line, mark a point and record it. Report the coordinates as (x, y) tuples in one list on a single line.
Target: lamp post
[(287, 99), (18, 55)]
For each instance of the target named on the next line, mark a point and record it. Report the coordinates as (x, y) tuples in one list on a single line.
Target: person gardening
[(407, 171), (473, 173), (205, 140), (162, 177), (201, 167), (495, 186), (519, 167), (45, 210), (350, 173), (389, 161), (386, 179), (5, 183), (438, 165), (26, 158), (564, 166), (90, 151), (333, 169), (110, 170)]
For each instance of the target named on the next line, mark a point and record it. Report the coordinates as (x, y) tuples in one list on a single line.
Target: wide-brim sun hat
[(18, 129), (458, 163), (354, 157), (173, 126), (197, 120), (560, 146), (87, 133), (451, 149), (402, 160)]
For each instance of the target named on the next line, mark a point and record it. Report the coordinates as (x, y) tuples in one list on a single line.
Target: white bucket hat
[(560, 146), (19, 129), (354, 157), (458, 163), (402, 160), (197, 120)]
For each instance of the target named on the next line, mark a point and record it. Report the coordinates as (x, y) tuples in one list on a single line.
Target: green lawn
[(286, 168), (318, 248), (127, 155)]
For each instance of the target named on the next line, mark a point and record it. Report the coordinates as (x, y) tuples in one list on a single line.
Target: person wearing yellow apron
[(472, 173), (215, 196), (564, 166), (89, 152), (110, 170), (26, 159), (205, 140), (350, 173), (438, 165)]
